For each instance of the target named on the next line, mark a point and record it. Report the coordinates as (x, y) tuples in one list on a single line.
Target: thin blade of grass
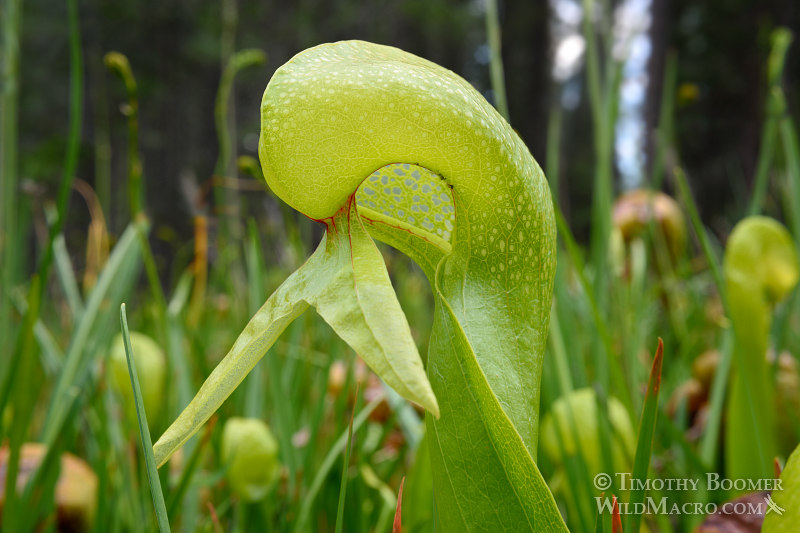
[(51, 354), (144, 431), (765, 155), (791, 149), (496, 59), (78, 357), (179, 362), (388, 499), (66, 274), (38, 500), (397, 526), (666, 121), (616, 522), (176, 496), (407, 418), (644, 446), (316, 417), (36, 295), (112, 446), (285, 420), (343, 487), (70, 166), (702, 236), (327, 464), (560, 357), (678, 438), (603, 357), (9, 144), (719, 387), (577, 473), (553, 161), (599, 524), (775, 107), (254, 392), (605, 434), (579, 480), (23, 402)]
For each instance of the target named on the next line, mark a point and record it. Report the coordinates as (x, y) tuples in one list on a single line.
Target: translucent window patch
[(411, 194)]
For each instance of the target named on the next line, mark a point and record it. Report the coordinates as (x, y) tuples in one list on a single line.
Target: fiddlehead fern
[(437, 173)]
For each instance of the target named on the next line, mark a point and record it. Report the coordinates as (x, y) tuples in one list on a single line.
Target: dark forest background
[(177, 49)]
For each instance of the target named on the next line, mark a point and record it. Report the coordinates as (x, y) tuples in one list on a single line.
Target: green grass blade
[(775, 107), (644, 446), (579, 479), (9, 124), (553, 161), (345, 467), (709, 443), (51, 354), (765, 155), (397, 523), (285, 419), (592, 60), (38, 500), (179, 362), (327, 463), (599, 524), (616, 521), (666, 121), (76, 358), (496, 60), (36, 294), (66, 274), (791, 149), (407, 418), (702, 236), (254, 392), (22, 399), (176, 496), (144, 431), (603, 354), (70, 162)]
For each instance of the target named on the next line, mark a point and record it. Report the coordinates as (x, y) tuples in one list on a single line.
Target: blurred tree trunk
[(526, 58), (659, 41), (722, 48)]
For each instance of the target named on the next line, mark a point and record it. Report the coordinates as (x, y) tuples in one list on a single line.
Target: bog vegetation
[(485, 371)]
